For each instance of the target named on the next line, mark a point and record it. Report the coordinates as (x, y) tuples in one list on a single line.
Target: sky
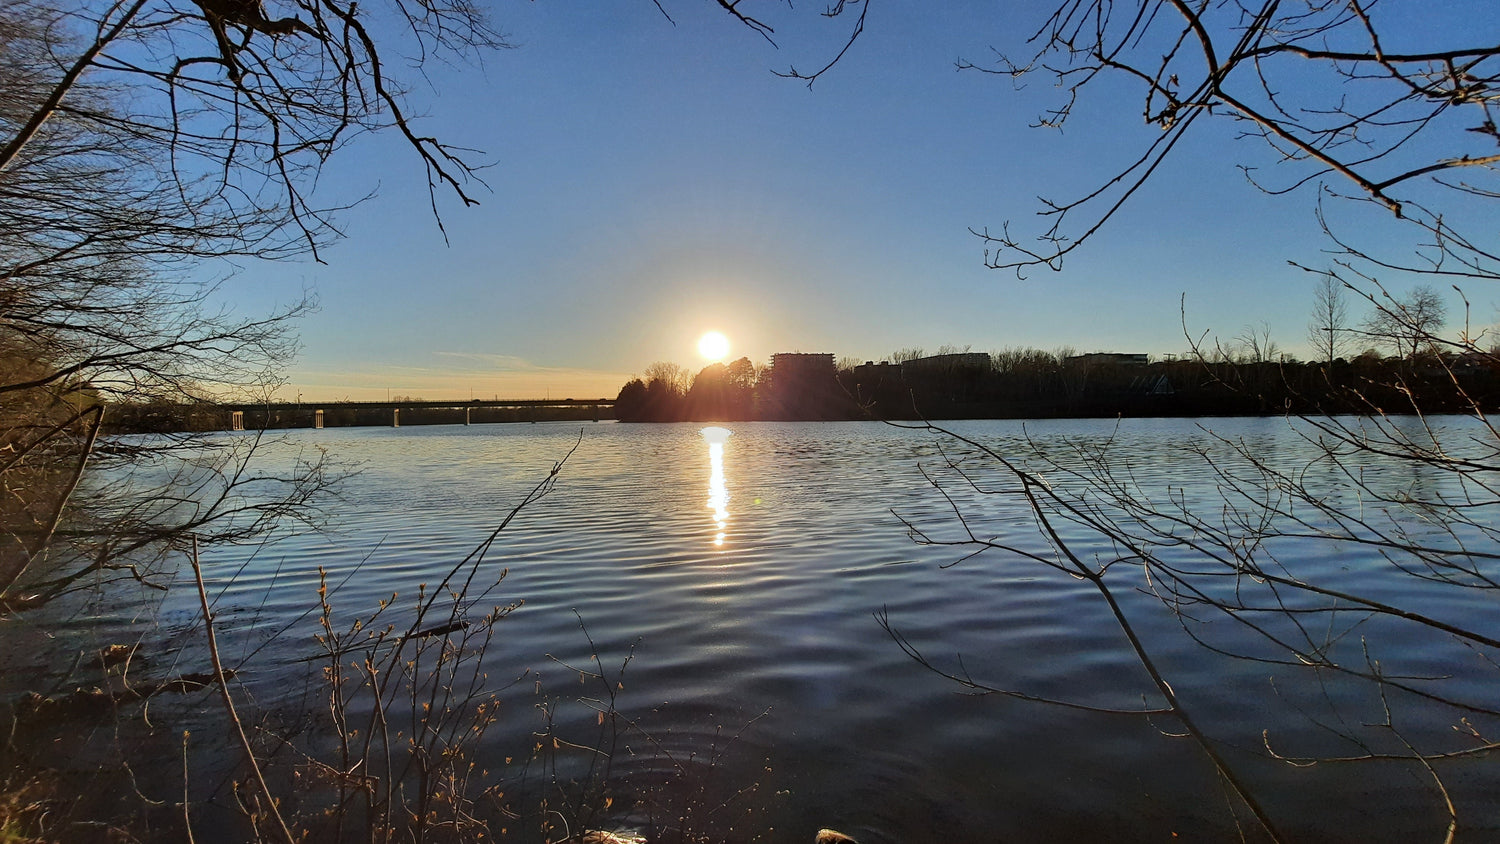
[(650, 180)]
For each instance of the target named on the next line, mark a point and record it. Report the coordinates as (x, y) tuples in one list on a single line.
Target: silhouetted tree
[(904, 355), (668, 377), (661, 397), (1408, 325), (1254, 345), (630, 404), (742, 375), (721, 394), (1329, 332)]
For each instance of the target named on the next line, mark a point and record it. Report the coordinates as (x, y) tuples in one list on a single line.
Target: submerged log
[(82, 701)]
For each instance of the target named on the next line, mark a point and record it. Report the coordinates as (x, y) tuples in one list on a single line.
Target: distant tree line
[(1395, 372)]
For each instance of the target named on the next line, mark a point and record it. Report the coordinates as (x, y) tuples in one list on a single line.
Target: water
[(746, 573)]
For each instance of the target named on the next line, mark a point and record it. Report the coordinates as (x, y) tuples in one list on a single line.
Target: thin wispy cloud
[(504, 363)]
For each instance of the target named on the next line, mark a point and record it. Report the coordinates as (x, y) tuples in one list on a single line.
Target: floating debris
[(599, 836)]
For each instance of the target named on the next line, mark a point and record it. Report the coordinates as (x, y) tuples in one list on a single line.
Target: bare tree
[(101, 247), (952, 349), (1328, 332), (668, 377), (1410, 324), (1254, 345), (143, 145)]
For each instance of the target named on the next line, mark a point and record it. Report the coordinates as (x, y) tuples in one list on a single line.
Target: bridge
[(316, 412)]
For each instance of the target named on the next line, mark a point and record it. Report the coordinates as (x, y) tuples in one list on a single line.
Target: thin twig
[(234, 718)]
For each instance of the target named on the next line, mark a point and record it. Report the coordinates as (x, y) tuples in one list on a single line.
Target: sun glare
[(713, 346)]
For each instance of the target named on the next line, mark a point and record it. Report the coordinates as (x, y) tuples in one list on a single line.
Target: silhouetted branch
[(857, 30), (1252, 64)]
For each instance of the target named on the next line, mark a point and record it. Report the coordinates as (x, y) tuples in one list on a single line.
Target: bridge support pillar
[(466, 414), (317, 418), (395, 417), (236, 420)]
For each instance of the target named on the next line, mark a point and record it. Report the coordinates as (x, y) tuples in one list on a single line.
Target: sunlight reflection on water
[(718, 492)]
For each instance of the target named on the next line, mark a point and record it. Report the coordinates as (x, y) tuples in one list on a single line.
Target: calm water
[(746, 575)]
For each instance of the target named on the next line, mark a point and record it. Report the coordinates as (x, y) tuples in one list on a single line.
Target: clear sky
[(653, 180)]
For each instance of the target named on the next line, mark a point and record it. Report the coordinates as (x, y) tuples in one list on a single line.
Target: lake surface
[(745, 577)]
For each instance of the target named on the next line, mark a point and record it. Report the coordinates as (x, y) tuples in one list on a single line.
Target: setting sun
[(713, 346)]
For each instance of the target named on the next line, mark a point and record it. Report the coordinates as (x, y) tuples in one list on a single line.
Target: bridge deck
[(404, 405)]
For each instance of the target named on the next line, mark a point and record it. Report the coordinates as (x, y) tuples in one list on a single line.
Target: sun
[(713, 346)]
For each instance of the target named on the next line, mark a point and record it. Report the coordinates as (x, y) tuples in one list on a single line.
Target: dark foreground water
[(746, 577)]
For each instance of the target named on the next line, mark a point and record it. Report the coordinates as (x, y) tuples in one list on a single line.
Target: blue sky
[(651, 181)]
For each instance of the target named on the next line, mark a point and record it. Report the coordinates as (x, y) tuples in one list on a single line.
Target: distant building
[(798, 365), (805, 386), (949, 363), (1116, 358), (871, 372)]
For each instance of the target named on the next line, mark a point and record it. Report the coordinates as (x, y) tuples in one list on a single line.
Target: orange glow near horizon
[(713, 346)]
